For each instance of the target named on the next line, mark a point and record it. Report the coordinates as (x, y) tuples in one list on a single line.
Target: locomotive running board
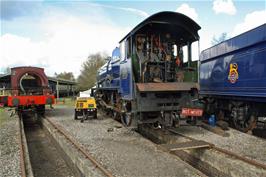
[(166, 86), (187, 145)]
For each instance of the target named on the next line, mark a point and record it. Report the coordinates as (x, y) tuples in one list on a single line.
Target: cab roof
[(177, 21)]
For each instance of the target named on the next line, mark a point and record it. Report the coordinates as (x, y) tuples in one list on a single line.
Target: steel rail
[(80, 148), (22, 152), (229, 153)]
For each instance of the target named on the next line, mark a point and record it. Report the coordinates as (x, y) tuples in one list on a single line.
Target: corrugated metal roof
[(62, 80)]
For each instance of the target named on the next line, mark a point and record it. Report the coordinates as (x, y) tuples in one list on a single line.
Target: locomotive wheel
[(95, 115), (248, 124), (126, 119)]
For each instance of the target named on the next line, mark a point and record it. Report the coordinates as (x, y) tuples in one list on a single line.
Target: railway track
[(189, 150), (204, 156), (39, 153), (229, 153), (26, 141), (80, 148)]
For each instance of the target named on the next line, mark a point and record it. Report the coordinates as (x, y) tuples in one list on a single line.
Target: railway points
[(220, 158)]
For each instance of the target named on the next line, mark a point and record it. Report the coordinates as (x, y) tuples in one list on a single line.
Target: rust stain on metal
[(247, 160), (169, 86), (187, 145)]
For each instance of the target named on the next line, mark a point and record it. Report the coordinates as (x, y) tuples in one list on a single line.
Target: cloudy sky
[(59, 35)]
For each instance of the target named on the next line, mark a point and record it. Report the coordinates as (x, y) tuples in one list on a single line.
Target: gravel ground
[(238, 142), (123, 152), (9, 149)]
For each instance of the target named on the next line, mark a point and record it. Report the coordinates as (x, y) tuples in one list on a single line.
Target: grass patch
[(3, 116), (69, 101)]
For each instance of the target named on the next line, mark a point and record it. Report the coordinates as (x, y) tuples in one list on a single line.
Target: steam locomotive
[(26, 88), (147, 80)]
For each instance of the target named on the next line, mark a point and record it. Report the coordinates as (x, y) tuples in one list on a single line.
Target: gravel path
[(238, 142), (123, 152), (9, 149)]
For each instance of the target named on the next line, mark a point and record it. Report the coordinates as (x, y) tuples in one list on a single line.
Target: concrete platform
[(121, 151)]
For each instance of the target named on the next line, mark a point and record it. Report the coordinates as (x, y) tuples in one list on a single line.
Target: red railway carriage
[(26, 88)]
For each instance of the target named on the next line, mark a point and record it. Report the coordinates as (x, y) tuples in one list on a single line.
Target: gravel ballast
[(121, 151), (9, 145), (241, 143)]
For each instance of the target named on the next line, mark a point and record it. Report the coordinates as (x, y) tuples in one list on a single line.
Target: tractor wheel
[(95, 115), (75, 116)]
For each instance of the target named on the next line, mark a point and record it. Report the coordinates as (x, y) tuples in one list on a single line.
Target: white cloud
[(251, 20), (138, 12), (224, 6), (67, 43), (188, 11), (206, 36)]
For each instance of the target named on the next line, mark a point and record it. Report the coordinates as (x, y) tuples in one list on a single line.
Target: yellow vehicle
[(85, 107)]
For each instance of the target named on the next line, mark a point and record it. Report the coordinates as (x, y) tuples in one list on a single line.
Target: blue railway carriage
[(147, 79), (233, 79)]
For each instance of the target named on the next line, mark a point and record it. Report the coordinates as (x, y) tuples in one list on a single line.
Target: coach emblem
[(233, 73)]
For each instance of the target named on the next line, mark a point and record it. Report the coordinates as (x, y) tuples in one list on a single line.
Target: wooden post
[(57, 89)]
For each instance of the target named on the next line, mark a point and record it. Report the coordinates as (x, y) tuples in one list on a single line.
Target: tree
[(65, 75), (87, 77), (220, 39)]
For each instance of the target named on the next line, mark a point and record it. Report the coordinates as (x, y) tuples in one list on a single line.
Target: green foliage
[(87, 77), (65, 75), (220, 39)]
